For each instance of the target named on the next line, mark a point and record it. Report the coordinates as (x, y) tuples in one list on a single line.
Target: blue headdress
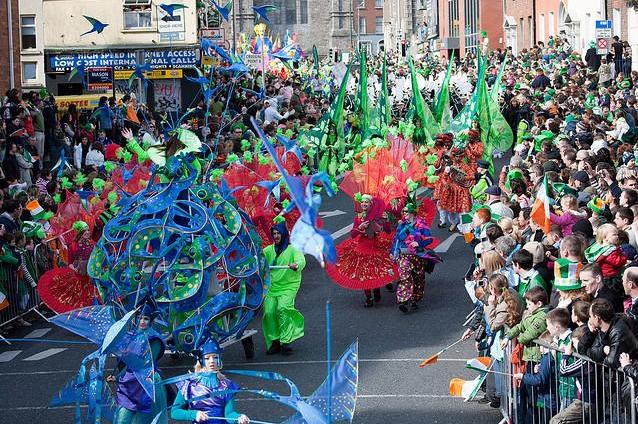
[(285, 237)]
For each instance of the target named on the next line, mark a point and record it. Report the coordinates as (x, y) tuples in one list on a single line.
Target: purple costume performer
[(219, 409)]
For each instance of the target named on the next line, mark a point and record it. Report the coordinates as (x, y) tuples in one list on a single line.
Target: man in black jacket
[(10, 163), (541, 81), (630, 285), (609, 335), (592, 279)]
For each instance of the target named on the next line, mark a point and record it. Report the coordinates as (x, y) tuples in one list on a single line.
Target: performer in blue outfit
[(134, 405), (218, 409)]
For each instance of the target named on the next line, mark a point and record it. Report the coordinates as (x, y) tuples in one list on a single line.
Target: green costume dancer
[(282, 323)]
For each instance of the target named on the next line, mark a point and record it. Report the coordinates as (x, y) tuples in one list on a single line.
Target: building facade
[(31, 44), (518, 25), (78, 62), (368, 15), (10, 46), (327, 24), (465, 25)]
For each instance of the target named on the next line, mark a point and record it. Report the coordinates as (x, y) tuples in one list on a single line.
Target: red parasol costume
[(364, 260)]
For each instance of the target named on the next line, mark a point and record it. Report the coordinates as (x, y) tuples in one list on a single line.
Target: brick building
[(368, 14), (328, 24), (462, 21), (9, 22), (518, 25)]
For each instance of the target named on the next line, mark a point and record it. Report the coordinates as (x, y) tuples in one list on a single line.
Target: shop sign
[(174, 59)]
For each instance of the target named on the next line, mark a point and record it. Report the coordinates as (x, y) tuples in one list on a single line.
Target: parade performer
[(67, 288), (452, 188), (282, 323), (364, 262), (410, 250), (207, 408), (135, 406)]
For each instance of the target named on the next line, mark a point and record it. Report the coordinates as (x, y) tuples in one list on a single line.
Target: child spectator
[(558, 323)]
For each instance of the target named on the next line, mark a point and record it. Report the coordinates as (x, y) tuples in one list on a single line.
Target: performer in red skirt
[(364, 261), (67, 288)]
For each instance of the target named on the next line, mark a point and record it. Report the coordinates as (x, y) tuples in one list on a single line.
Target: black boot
[(275, 347), (286, 349), (249, 347), (377, 295), (390, 287), (403, 307)]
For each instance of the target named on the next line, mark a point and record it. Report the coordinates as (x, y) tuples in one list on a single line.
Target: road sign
[(218, 35), (172, 36), (603, 34), (100, 79), (603, 29)]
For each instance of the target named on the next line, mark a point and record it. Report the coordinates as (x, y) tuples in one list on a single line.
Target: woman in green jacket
[(282, 323)]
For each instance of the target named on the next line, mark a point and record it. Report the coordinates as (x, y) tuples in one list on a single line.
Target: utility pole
[(234, 34), (10, 40)]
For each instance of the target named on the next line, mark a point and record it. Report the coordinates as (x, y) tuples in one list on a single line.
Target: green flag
[(442, 107), (498, 84), (361, 109), (384, 101), (496, 133), (420, 109), (315, 58)]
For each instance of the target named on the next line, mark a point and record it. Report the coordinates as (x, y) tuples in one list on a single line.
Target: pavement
[(392, 388)]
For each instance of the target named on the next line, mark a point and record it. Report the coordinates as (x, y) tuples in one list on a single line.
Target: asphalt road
[(391, 386)]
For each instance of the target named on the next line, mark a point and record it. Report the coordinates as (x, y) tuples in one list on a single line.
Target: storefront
[(106, 73)]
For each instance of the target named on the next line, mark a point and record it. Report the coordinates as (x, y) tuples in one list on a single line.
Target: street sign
[(217, 35), (603, 34), (100, 79), (172, 36), (603, 29)]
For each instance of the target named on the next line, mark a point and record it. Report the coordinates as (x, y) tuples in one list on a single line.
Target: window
[(291, 11), (137, 14), (341, 18), (378, 4), (303, 11), (362, 25), (530, 28), (453, 17), (541, 28), (378, 25), (551, 23), (616, 22), (361, 4), (27, 32), (29, 71)]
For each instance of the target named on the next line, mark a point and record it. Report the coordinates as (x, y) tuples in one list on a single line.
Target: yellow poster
[(83, 102), (154, 74)]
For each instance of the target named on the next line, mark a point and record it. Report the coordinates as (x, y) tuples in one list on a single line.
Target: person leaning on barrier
[(609, 334)]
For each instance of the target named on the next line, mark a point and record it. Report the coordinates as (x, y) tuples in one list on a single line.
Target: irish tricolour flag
[(467, 389), (540, 209)]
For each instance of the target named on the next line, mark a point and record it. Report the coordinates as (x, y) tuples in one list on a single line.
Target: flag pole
[(328, 348)]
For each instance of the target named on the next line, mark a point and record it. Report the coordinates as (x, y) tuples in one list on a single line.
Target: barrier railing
[(583, 391), (21, 296)]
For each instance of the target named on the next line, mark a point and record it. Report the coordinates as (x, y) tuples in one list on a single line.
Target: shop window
[(137, 14), (291, 12), (29, 71), (27, 32)]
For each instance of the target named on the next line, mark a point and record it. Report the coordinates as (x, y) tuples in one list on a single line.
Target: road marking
[(329, 214), (36, 334), (445, 246), (251, 399), (339, 233), (9, 355), (244, 364), (45, 354)]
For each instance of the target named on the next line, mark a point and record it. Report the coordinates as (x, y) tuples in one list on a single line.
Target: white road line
[(251, 399), (342, 232), (9, 355), (329, 214), (45, 354), (36, 334), (244, 364), (445, 246)]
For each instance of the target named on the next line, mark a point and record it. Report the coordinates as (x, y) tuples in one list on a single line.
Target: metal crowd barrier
[(22, 298), (601, 395)]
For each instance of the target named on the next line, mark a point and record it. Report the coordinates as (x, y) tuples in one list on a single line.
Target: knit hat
[(567, 275), (584, 227), (581, 176), (494, 191), (537, 250), (597, 145)]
